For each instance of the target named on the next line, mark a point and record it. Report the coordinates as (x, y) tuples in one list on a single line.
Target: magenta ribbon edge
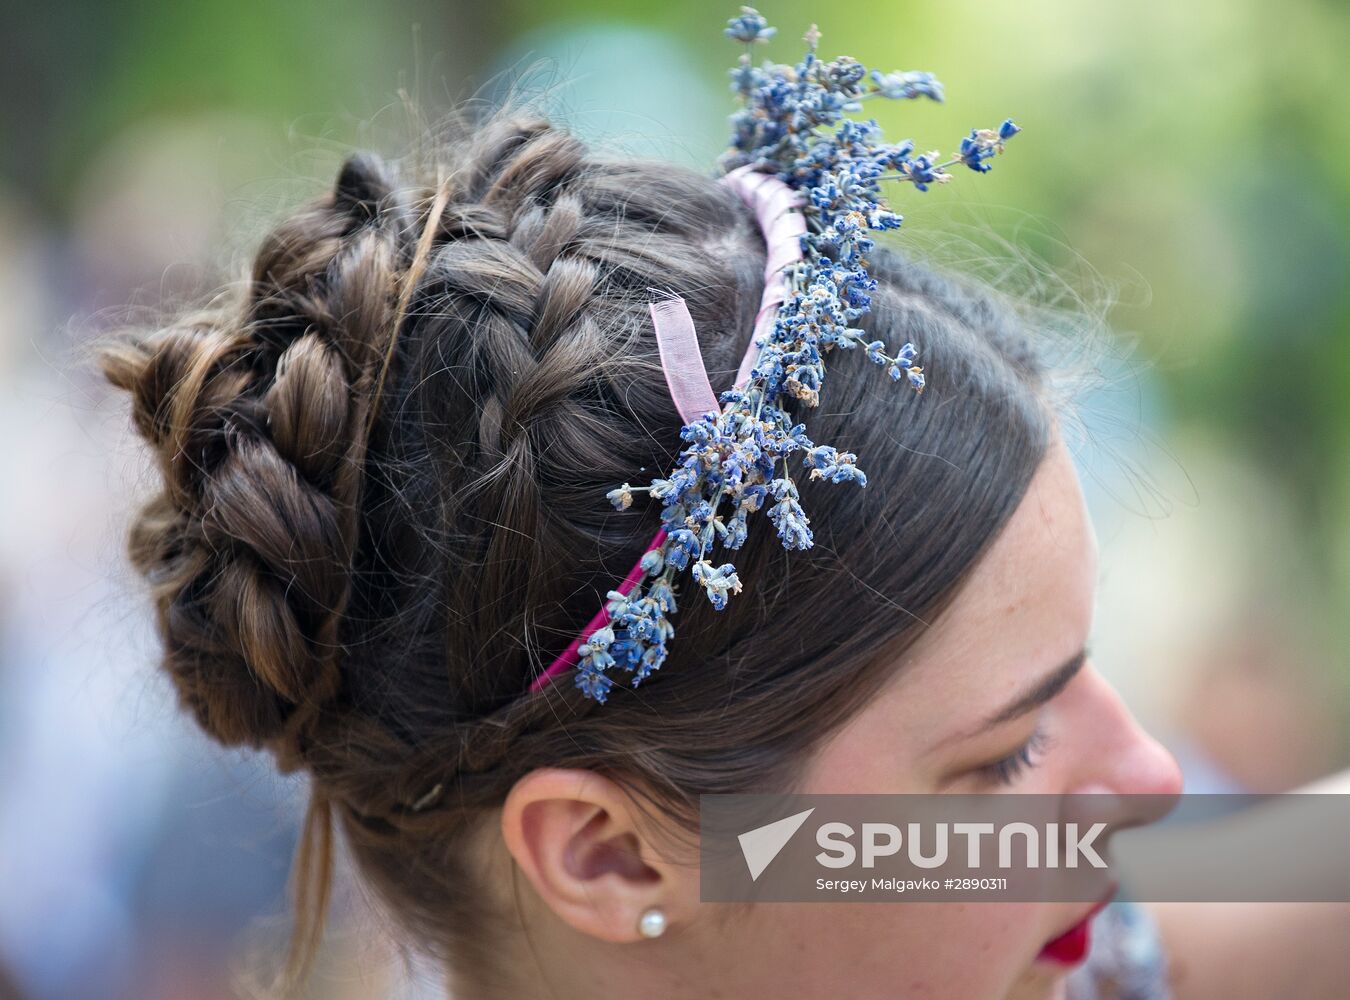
[(677, 343)]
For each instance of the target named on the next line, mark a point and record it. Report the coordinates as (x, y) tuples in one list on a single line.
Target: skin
[(584, 864)]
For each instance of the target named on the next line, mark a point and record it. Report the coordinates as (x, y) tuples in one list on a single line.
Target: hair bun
[(252, 411), (362, 186)]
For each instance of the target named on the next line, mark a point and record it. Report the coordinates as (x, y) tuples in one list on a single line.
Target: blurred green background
[(1183, 174)]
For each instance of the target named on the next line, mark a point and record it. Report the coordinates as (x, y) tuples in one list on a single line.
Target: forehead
[(1026, 608)]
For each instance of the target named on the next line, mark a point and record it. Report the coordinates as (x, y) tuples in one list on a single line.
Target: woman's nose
[(1118, 755)]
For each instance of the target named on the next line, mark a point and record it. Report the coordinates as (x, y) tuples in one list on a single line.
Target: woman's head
[(372, 606)]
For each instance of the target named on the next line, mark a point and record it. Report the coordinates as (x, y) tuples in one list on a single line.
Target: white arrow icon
[(762, 844)]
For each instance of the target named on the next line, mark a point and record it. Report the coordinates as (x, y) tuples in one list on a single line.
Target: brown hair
[(372, 607)]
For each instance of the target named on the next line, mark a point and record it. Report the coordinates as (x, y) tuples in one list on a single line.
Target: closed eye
[(1006, 770)]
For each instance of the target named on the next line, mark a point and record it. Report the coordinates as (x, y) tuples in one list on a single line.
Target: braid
[(252, 409), (500, 271)]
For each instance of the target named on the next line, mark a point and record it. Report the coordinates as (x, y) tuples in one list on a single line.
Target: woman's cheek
[(976, 951)]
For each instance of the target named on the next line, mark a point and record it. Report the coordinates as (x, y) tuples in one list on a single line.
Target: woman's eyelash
[(1007, 769)]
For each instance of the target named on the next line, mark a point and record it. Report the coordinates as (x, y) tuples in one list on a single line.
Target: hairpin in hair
[(813, 178)]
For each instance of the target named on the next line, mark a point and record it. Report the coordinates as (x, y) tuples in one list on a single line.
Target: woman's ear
[(576, 836)]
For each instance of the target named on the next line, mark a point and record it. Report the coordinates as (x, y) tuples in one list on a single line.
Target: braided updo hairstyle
[(384, 459)]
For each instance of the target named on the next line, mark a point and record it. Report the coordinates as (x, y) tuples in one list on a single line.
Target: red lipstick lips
[(1071, 947)]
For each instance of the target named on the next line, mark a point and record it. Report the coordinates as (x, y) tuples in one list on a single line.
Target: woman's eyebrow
[(1038, 695), (1041, 693)]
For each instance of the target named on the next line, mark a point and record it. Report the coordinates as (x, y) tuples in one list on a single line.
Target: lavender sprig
[(736, 462)]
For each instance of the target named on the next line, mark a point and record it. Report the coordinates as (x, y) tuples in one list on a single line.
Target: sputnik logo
[(762, 844)]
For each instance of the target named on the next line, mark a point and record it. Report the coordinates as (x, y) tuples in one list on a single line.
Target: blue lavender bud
[(907, 85), (752, 497), (792, 524), (701, 431), (683, 544), (639, 624), (597, 657), (972, 153), (836, 466), (652, 658), (653, 562), (662, 631), (855, 294), (615, 604), (843, 74), (717, 581), (745, 78), (984, 143), (749, 27), (738, 529), (923, 171), (700, 513), (879, 218), (894, 157), (672, 516), (626, 652), (593, 684), (820, 456), (663, 594)]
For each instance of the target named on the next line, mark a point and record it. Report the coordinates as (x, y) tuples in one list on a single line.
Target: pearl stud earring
[(652, 923)]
